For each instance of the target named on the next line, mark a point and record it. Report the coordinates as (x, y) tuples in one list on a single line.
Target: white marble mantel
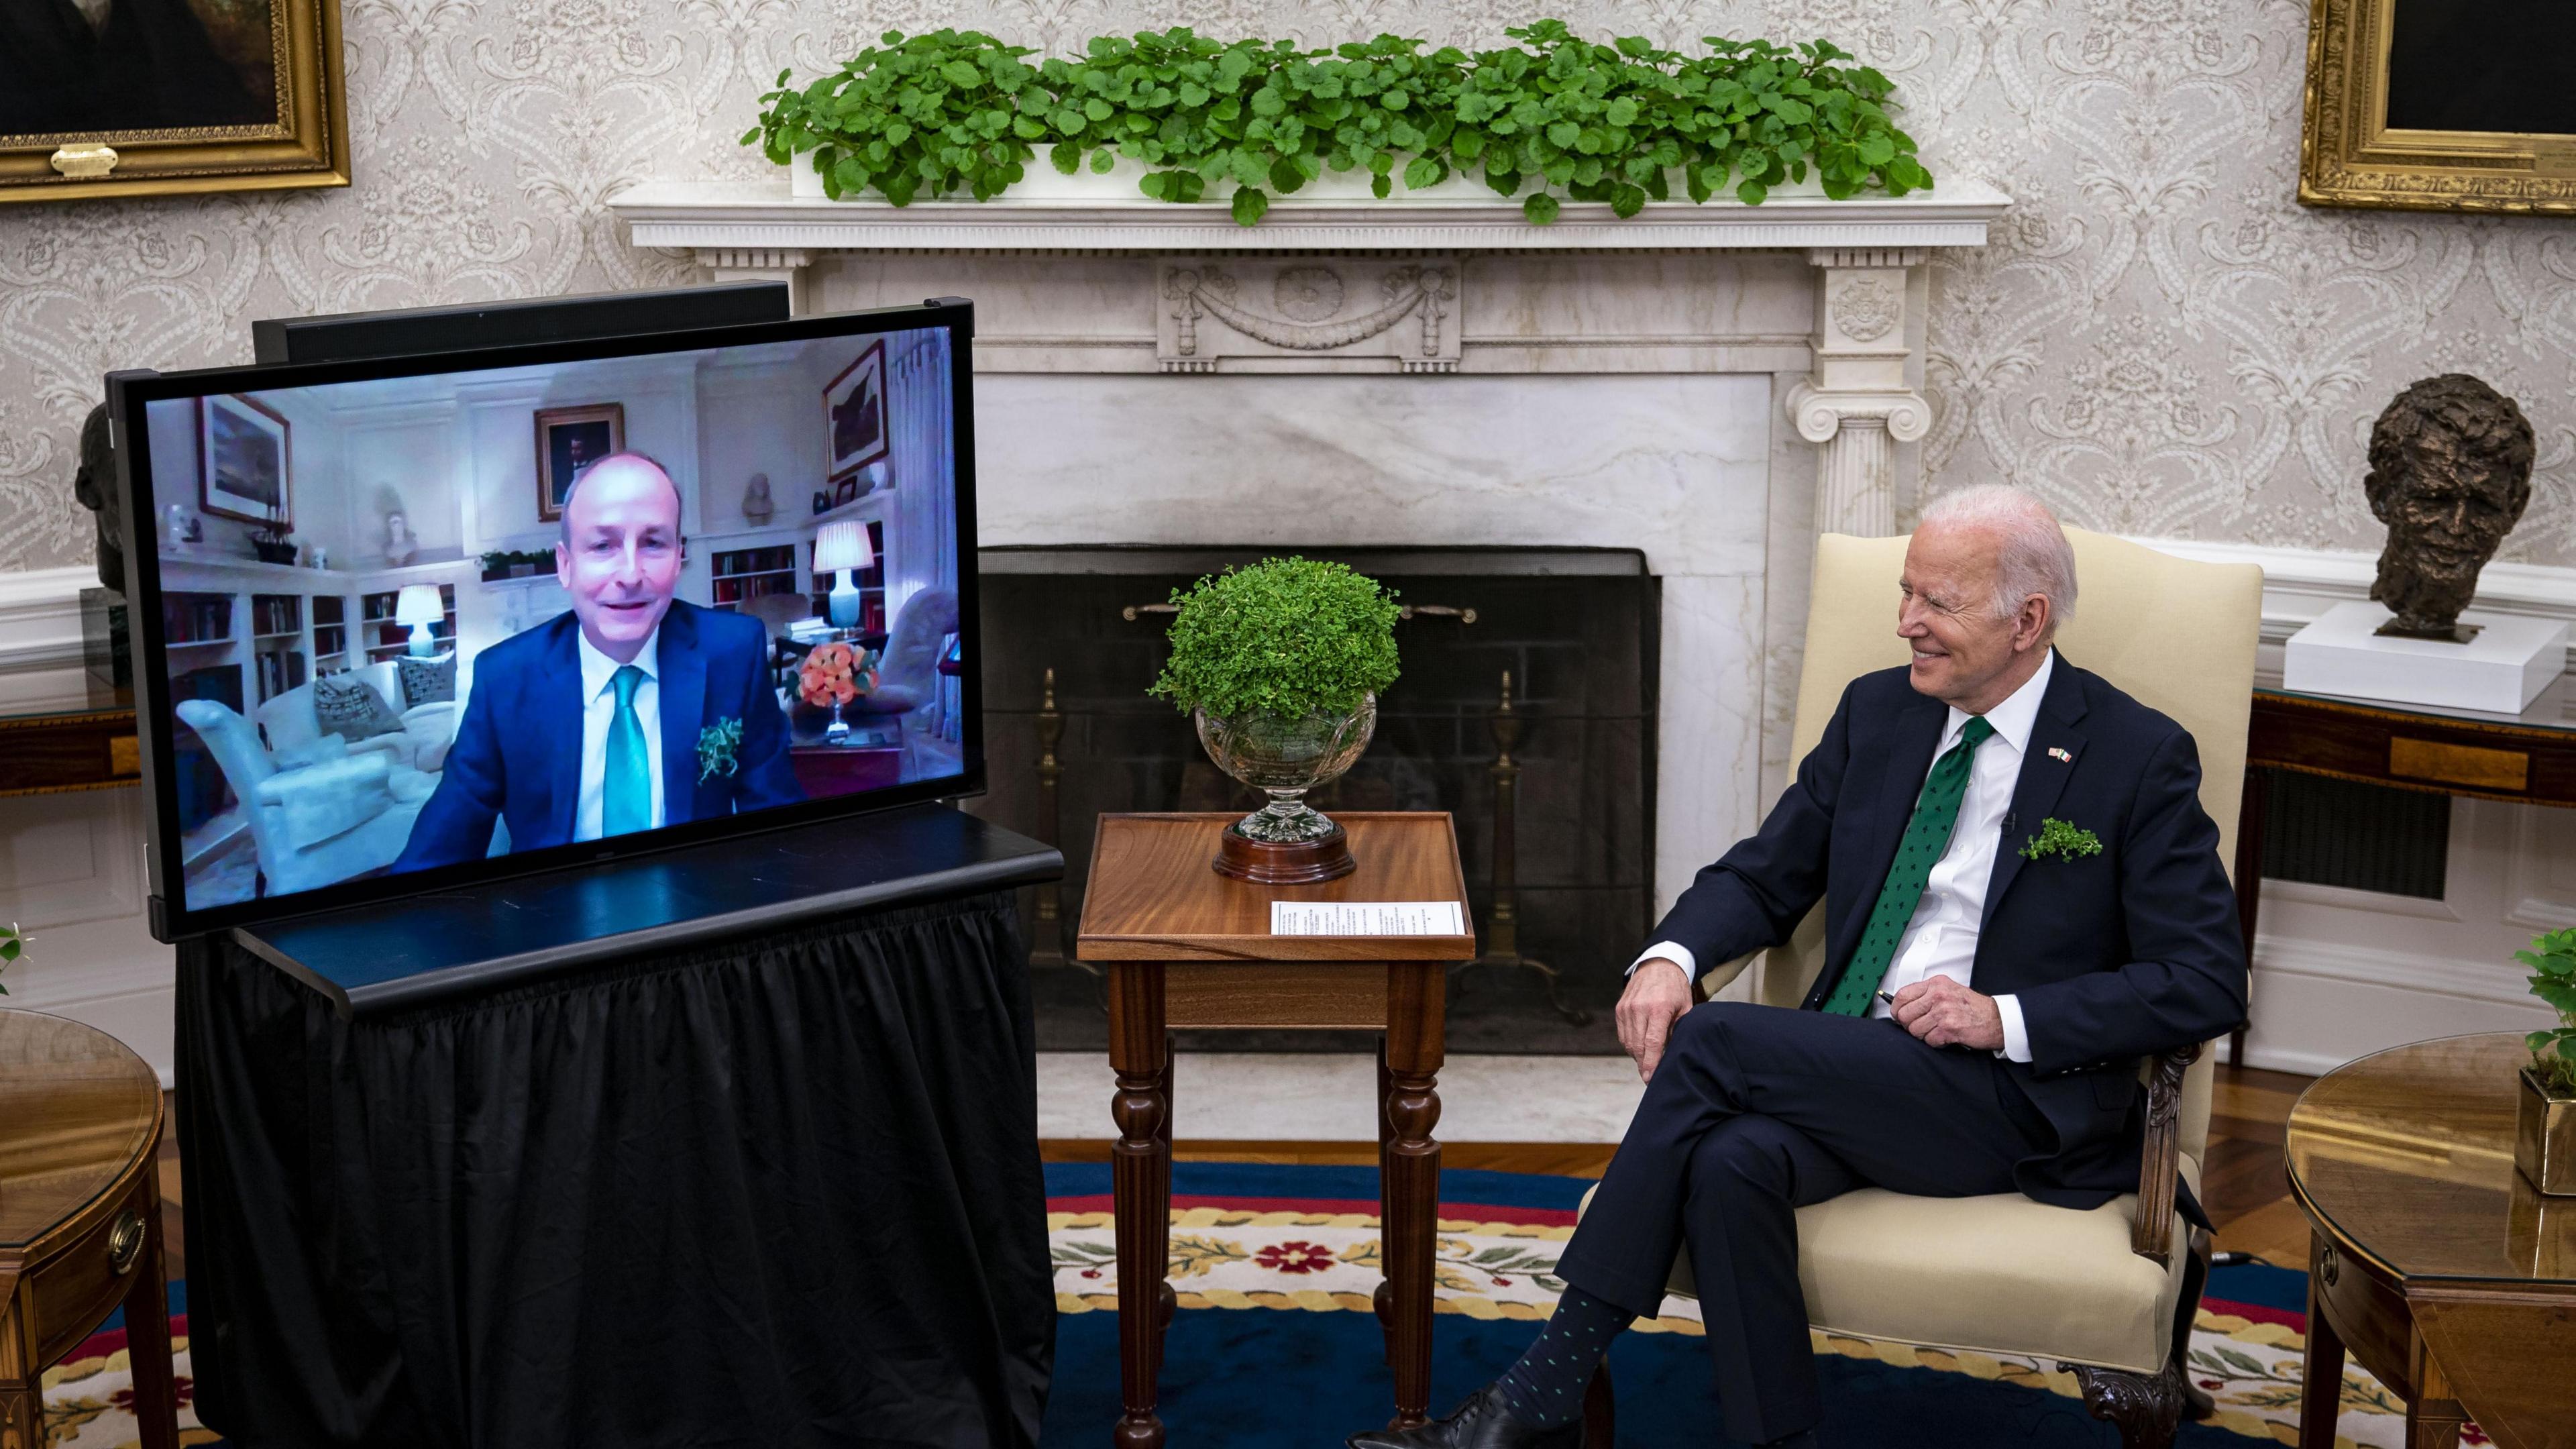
[(1707, 384)]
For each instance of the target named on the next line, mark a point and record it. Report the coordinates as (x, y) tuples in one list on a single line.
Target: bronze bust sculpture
[(2450, 473), (94, 485)]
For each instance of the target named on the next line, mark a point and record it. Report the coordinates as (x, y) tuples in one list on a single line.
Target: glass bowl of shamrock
[(835, 674)]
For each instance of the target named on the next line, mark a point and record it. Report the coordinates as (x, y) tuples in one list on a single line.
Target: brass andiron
[(1047, 939), (1503, 924)]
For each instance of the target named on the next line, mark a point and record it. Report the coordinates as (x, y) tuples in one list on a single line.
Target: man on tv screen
[(633, 711)]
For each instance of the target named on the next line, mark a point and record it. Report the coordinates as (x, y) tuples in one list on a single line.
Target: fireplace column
[(763, 264), (1858, 402)]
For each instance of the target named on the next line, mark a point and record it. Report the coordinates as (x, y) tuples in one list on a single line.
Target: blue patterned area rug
[(1277, 1346)]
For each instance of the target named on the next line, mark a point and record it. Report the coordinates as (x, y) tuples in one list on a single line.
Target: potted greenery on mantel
[(1279, 666), (1554, 116), (2544, 1139)]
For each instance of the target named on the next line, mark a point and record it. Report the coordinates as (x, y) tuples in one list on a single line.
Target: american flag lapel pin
[(2060, 756)]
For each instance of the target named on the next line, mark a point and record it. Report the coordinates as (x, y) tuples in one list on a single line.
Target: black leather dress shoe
[(1480, 1423)]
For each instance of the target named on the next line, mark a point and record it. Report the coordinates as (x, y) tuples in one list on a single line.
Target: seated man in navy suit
[(1980, 1017), (589, 724)]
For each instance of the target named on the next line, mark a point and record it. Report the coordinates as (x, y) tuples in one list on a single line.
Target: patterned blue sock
[(1545, 1389)]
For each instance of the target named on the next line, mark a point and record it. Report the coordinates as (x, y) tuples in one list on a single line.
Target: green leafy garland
[(961, 111), (1286, 637)]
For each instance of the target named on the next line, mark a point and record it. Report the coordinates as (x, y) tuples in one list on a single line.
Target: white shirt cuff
[(2016, 1035), (1677, 954)]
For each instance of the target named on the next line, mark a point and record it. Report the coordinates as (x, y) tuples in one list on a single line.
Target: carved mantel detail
[(1314, 317), (1860, 400)]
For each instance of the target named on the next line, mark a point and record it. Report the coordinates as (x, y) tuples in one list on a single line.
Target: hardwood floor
[(2243, 1185)]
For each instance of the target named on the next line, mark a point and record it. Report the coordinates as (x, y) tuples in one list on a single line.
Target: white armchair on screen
[(289, 723), (330, 816)]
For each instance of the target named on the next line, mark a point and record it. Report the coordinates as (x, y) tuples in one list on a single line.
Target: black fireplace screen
[(1526, 709)]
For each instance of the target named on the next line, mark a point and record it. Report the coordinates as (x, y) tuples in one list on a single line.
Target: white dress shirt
[(599, 710), (1941, 939)]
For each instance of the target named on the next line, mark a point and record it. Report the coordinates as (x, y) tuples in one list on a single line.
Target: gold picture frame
[(2350, 156), (305, 143), (569, 440)]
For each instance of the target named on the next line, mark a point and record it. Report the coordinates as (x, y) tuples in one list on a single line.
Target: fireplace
[(1702, 387), (1575, 631)]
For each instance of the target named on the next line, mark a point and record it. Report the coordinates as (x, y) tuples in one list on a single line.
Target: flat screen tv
[(411, 623)]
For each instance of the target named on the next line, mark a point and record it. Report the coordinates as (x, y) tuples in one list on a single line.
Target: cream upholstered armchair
[(2110, 1292)]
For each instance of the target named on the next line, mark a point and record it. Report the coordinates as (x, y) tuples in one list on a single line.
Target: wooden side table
[(2434, 1263), (1186, 947), (80, 1217)]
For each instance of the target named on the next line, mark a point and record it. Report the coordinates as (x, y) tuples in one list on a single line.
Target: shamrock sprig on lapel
[(2061, 839), (719, 749)]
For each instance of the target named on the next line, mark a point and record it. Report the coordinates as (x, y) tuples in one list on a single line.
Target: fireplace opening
[(1552, 784)]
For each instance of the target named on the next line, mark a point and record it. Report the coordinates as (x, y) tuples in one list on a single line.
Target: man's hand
[(1940, 1012), (1659, 991)]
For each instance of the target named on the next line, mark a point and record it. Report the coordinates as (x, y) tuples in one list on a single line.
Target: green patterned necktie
[(1927, 835), (626, 793)]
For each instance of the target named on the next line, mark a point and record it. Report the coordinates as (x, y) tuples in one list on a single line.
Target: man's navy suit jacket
[(517, 755), (2113, 956)]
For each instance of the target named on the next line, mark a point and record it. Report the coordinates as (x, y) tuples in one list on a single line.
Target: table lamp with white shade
[(419, 606), (841, 550)]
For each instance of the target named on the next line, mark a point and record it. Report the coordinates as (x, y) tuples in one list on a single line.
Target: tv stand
[(486, 938)]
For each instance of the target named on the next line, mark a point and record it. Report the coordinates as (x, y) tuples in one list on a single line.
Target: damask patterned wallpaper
[(2160, 340)]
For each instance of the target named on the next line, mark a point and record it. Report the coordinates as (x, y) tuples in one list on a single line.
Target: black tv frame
[(128, 392), (347, 336)]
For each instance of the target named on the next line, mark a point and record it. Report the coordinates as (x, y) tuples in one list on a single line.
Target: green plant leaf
[(1539, 208), (1751, 192), (1249, 203)]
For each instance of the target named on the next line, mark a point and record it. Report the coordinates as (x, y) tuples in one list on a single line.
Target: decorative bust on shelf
[(2450, 473), (95, 486), (400, 547), (756, 504)]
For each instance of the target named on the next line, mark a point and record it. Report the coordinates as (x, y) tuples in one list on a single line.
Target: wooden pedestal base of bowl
[(1296, 862), (2544, 1138)]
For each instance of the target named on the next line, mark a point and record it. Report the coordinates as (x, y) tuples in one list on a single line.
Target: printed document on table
[(1367, 918)]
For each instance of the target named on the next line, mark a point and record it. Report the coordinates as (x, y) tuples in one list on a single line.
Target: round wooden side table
[(80, 1217), (2432, 1261)]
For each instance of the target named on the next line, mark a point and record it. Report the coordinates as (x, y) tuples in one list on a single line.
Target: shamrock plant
[(13, 944), (2552, 959), (1555, 115)]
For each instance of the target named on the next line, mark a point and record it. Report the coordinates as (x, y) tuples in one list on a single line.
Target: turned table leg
[(1140, 1182), (2321, 1392), (147, 1329), (1385, 1296), (1415, 998)]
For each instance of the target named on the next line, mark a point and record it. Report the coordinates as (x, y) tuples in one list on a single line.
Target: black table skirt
[(782, 1192)]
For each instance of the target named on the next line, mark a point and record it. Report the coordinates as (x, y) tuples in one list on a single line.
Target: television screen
[(408, 623)]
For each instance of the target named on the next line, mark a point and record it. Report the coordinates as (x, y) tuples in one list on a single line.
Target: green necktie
[(626, 794), (1926, 836)]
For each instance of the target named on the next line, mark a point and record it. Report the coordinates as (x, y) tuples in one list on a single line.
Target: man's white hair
[(2032, 557)]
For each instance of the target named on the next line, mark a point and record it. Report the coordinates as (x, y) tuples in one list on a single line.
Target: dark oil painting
[(101, 68), (2482, 65)]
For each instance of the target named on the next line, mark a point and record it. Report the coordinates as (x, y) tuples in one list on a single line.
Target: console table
[(85, 742), (2434, 1263), (1186, 947), (2528, 757)]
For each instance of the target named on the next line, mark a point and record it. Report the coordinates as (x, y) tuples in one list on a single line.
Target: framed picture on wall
[(150, 97), (2441, 105), (243, 461), (854, 415), (569, 440)]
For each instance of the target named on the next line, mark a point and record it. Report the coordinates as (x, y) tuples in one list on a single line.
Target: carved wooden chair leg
[(2146, 1410), (1600, 1411), (2197, 1405)]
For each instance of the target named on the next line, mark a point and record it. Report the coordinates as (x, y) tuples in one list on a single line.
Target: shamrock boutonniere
[(2058, 838), (719, 749)]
